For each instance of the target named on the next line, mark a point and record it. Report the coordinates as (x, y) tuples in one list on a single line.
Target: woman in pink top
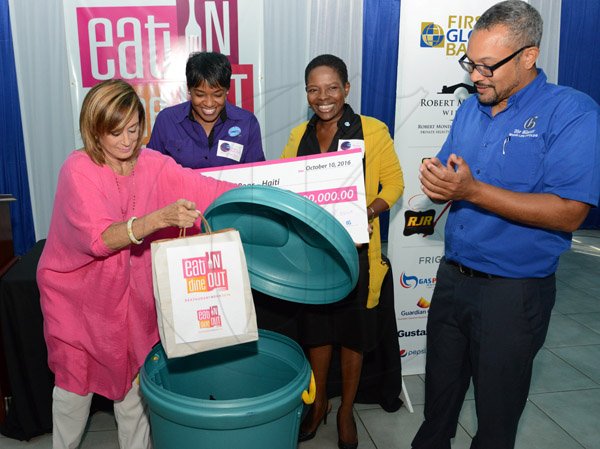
[(113, 198)]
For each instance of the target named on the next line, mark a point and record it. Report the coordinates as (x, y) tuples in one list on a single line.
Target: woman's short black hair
[(330, 61), (210, 67)]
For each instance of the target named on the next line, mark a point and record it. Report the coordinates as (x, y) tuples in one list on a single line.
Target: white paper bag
[(202, 292)]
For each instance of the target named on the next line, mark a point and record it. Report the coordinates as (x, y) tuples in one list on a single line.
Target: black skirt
[(345, 323)]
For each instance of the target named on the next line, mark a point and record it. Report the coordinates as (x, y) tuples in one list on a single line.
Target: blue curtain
[(579, 59), (13, 167), (381, 23)]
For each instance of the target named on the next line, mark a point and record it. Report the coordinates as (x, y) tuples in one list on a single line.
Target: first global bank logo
[(452, 36), (432, 35)]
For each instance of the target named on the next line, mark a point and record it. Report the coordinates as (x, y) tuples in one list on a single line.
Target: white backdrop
[(293, 32), (428, 94)]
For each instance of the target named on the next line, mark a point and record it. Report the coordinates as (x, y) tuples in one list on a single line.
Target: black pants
[(490, 330)]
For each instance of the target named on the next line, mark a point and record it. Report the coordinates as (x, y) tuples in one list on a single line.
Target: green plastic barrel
[(247, 396)]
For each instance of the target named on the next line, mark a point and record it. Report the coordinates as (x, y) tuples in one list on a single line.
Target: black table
[(21, 324), (22, 333)]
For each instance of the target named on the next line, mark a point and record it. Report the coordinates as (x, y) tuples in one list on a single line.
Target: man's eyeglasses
[(488, 70)]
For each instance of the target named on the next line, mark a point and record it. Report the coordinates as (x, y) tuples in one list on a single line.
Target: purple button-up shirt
[(235, 138)]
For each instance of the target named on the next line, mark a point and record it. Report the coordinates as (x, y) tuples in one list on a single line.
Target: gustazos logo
[(412, 333), (407, 281), (454, 39)]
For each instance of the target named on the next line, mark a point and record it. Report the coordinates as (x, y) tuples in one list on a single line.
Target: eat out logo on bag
[(205, 273)]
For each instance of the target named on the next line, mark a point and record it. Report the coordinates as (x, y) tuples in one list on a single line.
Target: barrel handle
[(309, 396)]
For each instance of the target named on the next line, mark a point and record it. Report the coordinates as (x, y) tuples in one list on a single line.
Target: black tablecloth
[(21, 323), (31, 381)]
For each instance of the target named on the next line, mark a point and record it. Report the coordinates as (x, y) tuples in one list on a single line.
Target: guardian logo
[(423, 303)]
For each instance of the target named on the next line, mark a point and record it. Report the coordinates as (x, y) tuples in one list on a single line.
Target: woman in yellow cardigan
[(351, 322)]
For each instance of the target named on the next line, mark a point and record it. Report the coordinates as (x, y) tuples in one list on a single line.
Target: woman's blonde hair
[(107, 108)]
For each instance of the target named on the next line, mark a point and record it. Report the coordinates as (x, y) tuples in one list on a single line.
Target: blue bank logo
[(432, 35)]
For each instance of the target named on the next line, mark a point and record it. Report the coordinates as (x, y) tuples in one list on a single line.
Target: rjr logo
[(205, 274)]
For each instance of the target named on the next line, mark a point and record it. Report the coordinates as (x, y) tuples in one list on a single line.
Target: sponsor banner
[(412, 338), (334, 181), (415, 280), (147, 43), (431, 86)]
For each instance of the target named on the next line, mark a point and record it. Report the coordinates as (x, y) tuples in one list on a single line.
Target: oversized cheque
[(335, 181)]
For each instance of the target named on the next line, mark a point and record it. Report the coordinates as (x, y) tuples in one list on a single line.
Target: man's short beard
[(491, 102)]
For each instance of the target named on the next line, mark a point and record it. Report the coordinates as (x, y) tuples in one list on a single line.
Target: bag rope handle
[(204, 223)]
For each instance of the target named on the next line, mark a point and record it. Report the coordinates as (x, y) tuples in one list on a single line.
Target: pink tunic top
[(98, 304)]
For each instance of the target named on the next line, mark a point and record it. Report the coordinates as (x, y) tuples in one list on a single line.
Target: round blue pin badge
[(234, 131)]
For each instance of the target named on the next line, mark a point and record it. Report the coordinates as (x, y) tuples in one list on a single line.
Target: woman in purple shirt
[(207, 131)]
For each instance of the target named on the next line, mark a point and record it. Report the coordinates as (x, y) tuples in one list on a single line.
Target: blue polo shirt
[(547, 140), (234, 139)]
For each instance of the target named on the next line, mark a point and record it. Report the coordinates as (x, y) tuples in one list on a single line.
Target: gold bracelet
[(130, 232), (372, 212)]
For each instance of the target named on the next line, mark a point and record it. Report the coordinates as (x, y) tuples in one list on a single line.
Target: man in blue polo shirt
[(521, 167), (207, 131)]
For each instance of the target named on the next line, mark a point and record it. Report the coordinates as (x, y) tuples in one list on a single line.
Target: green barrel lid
[(295, 249)]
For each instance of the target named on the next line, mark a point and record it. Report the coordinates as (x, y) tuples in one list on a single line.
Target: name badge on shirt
[(230, 150), (352, 144)]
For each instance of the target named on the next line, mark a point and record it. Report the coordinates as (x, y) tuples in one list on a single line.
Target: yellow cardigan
[(382, 168)]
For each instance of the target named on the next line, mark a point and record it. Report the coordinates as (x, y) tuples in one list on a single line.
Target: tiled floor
[(563, 411)]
